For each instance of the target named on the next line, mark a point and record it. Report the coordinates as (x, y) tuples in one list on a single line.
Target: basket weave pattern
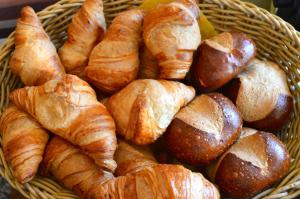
[(276, 40)]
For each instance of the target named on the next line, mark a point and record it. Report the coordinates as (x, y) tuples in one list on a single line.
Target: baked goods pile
[(167, 94)]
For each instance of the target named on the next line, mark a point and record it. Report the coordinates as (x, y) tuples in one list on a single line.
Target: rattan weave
[(276, 40)]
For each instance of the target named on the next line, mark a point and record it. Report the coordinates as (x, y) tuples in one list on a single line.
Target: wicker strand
[(276, 40)]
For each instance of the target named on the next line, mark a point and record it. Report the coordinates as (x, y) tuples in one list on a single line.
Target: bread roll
[(204, 129), (262, 95), (256, 161), (221, 58)]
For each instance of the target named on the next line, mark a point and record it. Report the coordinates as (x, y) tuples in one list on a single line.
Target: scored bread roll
[(204, 129), (144, 108), (262, 95), (171, 33), (221, 58), (257, 160)]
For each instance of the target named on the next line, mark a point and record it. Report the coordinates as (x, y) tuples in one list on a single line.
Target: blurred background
[(289, 10)]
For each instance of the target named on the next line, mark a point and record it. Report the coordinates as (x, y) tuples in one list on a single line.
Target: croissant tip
[(26, 11), (28, 15)]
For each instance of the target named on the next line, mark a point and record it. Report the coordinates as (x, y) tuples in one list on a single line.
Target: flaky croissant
[(144, 108), (35, 59), (145, 178), (72, 167), (69, 108), (157, 182), (171, 33), (23, 142), (114, 61), (85, 31), (132, 158)]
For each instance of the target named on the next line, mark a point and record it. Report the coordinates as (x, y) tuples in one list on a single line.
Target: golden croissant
[(23, 143), (144, 108), (148, 65), (114, 61), (35, 59), (68, 107), (171, 33), (72, 167), (156, 181), (85, 31), (144, 178)]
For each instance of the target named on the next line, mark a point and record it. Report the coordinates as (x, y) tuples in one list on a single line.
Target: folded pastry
[(114, 61), (72, 167), (148, 65), (85, 31), (144, 178), (160, 181), (144, 108), (23, 143), (171, 33), (69, 108), (35, 59)]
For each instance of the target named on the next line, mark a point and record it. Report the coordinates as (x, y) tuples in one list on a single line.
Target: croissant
[(144, 108), (89, 182), (23, 143), (85, 31), (148, 65), (171, 33), (145, 178), (35, 59), (114, 61), (69, 108), (160, 181), (72, 167), (132, 158)]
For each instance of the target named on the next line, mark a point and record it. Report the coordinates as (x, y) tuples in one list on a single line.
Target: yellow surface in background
[(206, 28)]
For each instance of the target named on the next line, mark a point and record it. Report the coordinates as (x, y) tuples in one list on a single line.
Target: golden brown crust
[(69, 108), (256, 161), (171, 33), (23, 142), (114, 61), (144, 108), (35, 59), (270, 102), (160, 181), (221, 58), (198, 136), (72, 167), (84, 32)]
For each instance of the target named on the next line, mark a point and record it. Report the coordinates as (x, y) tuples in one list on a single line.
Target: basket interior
[(275, 40)]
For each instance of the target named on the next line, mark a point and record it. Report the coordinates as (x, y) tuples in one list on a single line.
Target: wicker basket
[(276, 40)]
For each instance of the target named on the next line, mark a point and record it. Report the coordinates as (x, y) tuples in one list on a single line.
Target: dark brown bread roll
[(256, 161), (204, 129), (262, 96), (221, 58)]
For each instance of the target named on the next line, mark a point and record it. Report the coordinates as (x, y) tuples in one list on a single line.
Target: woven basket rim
[(30, 191)]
